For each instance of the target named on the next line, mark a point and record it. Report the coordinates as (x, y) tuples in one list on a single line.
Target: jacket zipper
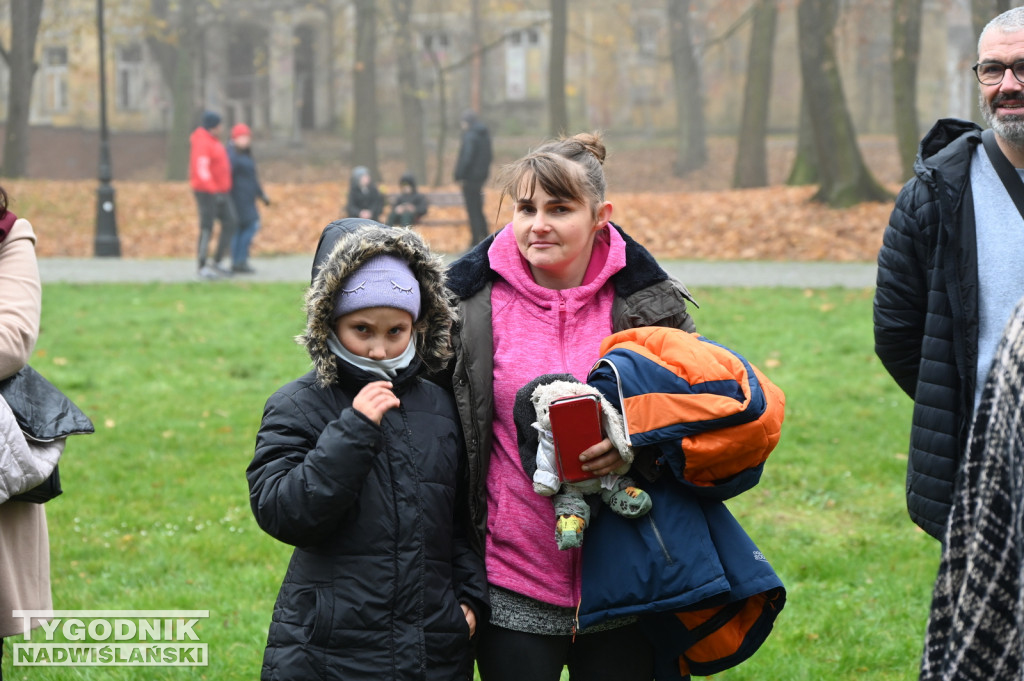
[(561, 332), (660, 539), (577, 588)]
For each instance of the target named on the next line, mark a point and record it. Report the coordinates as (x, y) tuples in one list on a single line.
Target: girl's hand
[(470, 619), (375, 399), (602, 458)]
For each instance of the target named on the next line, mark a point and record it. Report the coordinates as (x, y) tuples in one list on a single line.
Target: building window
[(647, 40), (129, 77), (435, 42), (524, 66), (55, 79)]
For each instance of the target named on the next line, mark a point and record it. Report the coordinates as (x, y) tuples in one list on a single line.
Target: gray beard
[(1009, 128)]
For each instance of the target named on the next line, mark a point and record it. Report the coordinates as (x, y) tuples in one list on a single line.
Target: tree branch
[(487, 48)]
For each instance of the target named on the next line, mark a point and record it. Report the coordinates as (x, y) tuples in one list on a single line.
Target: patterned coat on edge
[(976, 626)]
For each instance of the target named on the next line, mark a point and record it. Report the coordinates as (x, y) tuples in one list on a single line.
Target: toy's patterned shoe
[(630, 502), (569, 531)]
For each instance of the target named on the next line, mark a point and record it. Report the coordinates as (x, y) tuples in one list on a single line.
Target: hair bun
[(591, 141)]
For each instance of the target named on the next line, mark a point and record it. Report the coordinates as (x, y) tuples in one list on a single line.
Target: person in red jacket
[(210, 176)]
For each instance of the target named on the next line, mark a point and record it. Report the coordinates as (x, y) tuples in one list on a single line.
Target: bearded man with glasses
[(950, 270)]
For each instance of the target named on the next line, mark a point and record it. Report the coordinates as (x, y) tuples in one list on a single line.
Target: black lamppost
[(107, 243)]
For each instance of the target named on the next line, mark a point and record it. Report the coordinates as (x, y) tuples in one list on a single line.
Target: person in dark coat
[(359, 465), (472, 166), (949, 272), (409, 205), (364, 198), (245, 190)]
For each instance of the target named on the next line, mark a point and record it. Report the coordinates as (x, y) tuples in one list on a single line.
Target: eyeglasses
[(992, 72)]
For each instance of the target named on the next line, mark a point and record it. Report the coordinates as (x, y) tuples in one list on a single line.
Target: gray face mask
[(386, 369)]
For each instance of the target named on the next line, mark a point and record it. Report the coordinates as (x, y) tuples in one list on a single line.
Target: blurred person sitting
[(364, 199), (409, 205)]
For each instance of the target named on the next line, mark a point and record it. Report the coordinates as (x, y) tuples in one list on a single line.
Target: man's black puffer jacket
[(381, 561), (926, 314)]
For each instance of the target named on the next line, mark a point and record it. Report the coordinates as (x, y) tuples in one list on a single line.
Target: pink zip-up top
[(538, 331)]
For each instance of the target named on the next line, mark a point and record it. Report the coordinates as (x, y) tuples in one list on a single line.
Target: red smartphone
[(575, 427)]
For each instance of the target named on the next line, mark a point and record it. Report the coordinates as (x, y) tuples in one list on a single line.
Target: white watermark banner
[(110, 638)]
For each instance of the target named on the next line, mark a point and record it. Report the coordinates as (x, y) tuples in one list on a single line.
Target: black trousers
[(473, 196), (215, 207), (622, 654)]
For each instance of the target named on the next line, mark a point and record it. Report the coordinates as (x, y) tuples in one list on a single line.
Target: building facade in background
[(285, 67)]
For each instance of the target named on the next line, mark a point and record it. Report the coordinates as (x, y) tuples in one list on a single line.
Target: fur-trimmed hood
[(344, 246)]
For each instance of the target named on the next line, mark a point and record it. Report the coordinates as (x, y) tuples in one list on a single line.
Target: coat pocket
[(303, 614)]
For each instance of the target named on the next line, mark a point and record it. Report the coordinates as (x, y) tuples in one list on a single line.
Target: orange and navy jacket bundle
[(706, 596)]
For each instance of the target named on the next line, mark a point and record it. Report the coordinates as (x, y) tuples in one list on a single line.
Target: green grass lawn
[(155, 513)]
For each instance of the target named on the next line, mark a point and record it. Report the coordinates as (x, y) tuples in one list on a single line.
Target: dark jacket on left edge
[(381, 560)]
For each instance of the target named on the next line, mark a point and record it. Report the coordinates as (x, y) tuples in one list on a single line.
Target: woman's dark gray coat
[(381, 560)]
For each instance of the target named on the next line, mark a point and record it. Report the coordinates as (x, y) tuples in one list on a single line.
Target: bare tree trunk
[(183, 112), (751, 152), (332, 95), (160, 39), (805, 164), (476, 70), (984, 11), (25, 17), (174, 40), (906, 50), (691, 143), (557, 109), (844, 179), (412, 107), (364, 129), (442, 116)]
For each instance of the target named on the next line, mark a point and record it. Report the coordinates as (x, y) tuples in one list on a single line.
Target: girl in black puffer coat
[(382, 583)]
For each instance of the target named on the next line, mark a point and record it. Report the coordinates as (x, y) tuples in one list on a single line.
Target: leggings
[(622, 654)]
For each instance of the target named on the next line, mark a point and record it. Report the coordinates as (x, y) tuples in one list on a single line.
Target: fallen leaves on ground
[(159, 220)]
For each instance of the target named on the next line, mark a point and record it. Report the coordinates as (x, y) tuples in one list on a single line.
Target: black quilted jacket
[(375, 513), (926, 314)]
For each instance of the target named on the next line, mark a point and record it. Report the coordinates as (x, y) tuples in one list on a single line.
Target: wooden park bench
[(445, 209)]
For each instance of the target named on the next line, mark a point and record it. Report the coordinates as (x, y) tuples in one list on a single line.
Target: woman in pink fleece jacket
[(536, 298)]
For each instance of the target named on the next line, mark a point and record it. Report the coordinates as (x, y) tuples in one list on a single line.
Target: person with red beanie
[(209, 174), (245, 189)]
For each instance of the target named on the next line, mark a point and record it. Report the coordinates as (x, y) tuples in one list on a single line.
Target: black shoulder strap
[(1007, 173)]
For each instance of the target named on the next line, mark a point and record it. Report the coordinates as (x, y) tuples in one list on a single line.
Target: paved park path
[(296, 268)]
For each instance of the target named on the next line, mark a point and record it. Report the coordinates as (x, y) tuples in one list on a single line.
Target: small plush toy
[(536, 448)]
